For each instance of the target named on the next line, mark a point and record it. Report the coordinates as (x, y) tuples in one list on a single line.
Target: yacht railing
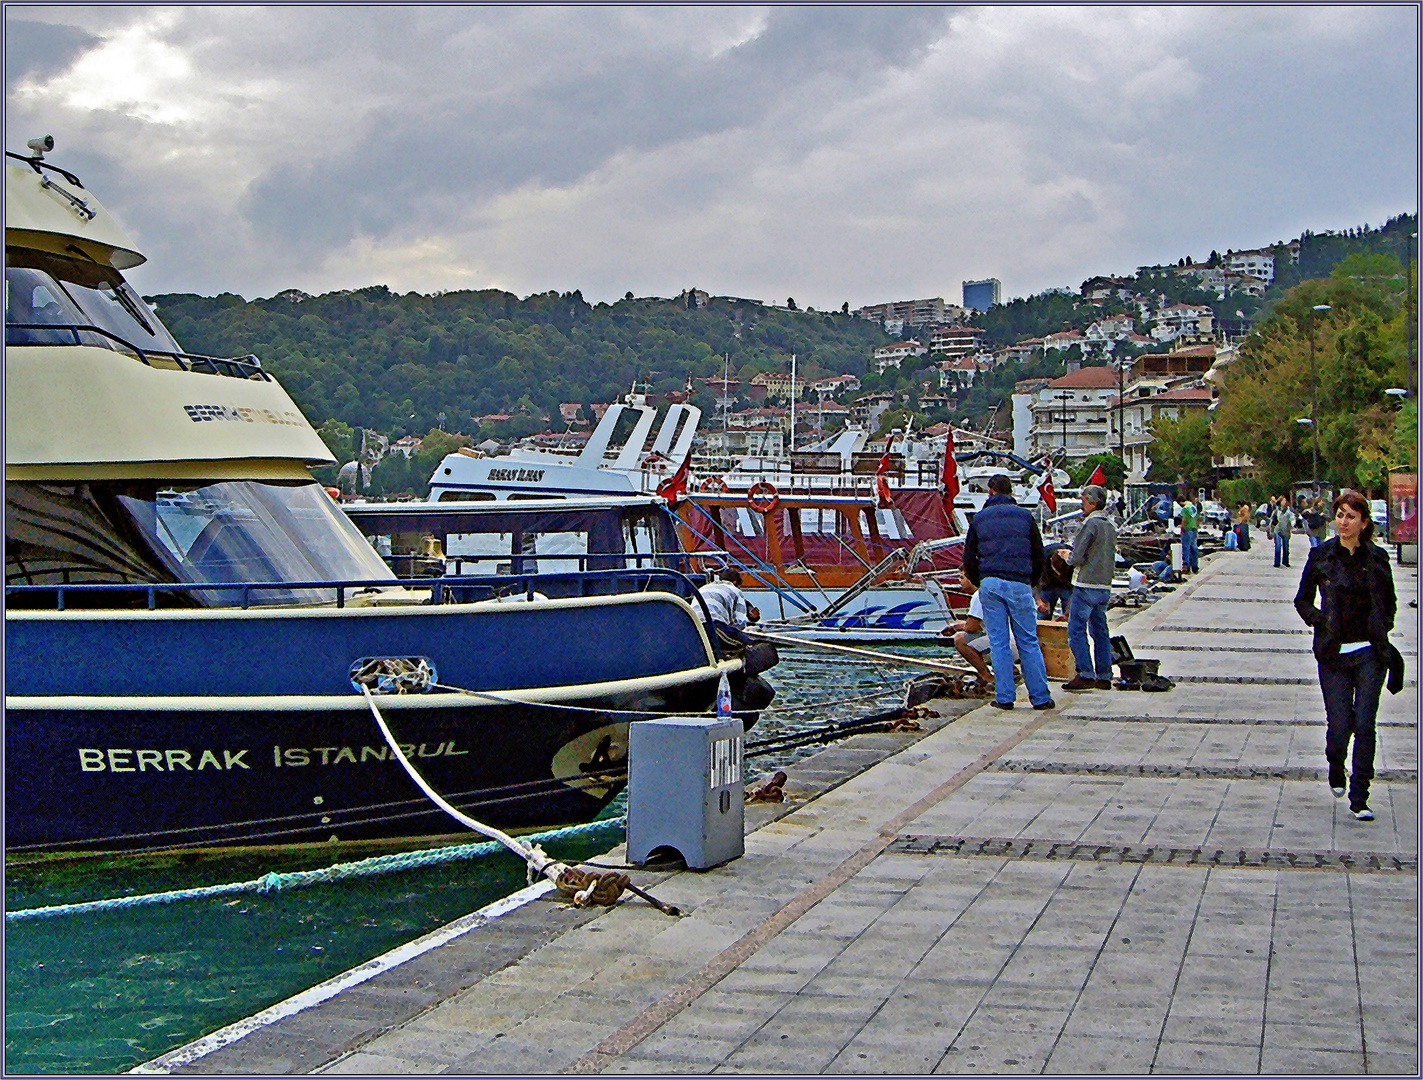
[(243, 367), (462, 588)]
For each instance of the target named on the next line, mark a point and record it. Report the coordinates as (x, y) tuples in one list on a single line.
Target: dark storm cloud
[(433, 155), (40, 49)]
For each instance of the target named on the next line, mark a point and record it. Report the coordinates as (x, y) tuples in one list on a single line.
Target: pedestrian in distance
[(1281, 524), (1242, 527), (1190, 535), (1094, 554), (1351, 576), (1003, 556), (1316, 522)]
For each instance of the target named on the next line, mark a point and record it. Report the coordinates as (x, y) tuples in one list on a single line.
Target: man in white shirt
[(725, 601), (971, 640)]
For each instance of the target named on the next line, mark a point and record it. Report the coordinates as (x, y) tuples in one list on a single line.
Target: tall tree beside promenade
[(1360, 348), (1181, 451)]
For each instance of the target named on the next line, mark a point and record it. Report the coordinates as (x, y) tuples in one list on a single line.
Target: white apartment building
[(1258, 264), (956, 340), (835, 384), (1177, 319), (1072, 412), (891, 356), (1064, 340), (959, 373)]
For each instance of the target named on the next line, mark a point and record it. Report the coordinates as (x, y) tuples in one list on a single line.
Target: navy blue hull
[(144, 780), (145, 730)]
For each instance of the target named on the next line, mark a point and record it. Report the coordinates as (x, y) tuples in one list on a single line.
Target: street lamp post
[(1063, 397), (1307, 421), (1313, 398)]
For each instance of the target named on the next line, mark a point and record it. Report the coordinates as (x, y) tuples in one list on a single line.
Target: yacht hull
[(146, 730)]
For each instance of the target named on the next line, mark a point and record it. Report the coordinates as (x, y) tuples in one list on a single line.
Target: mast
[(792, 403)]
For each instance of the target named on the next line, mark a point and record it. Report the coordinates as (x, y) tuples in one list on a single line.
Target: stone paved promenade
[(1132, 883)]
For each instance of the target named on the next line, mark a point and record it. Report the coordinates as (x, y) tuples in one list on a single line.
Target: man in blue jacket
[(1003, 556)]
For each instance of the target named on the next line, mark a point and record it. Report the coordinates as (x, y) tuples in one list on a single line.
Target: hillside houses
[(891, 356)]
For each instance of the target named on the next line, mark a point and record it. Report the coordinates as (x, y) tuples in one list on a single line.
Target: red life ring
[(713, 484), (763, 497), (335, 493)]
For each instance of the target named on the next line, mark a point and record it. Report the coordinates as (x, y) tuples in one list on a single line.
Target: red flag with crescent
[(1049, 497), (1098, 477), (675, 486)]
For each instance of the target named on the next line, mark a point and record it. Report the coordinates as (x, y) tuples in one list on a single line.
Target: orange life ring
[(713, 484), (763, 497)]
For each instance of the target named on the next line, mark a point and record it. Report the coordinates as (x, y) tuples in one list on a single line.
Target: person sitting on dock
[(725, 601), (1056, 587), (971, 640)]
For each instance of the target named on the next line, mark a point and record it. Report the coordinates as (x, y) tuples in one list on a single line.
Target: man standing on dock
[(1094, 553), (1003, 556)]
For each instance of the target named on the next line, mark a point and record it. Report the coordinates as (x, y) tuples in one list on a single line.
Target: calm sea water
[(103, 992)]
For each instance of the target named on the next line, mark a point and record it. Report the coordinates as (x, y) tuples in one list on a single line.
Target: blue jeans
[(1351, 684), (1089, 611), (1282, 549), (1190, 551), (1010, 604), (1052, 596)]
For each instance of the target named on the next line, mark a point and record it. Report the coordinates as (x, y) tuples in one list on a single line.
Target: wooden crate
[(1052, 636)]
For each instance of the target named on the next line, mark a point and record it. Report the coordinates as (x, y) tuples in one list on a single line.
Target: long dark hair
[(1360, 505)]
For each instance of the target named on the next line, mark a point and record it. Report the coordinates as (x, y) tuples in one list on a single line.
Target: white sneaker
[(1338, 792), (1363, 813)]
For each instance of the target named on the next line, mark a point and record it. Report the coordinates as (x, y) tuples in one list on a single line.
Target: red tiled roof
[(1087, 378)]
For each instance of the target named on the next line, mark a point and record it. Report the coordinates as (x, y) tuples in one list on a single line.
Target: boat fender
[(763, 497)]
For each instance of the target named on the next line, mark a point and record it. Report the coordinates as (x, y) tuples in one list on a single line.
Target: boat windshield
[(43, 290), (251, 531)]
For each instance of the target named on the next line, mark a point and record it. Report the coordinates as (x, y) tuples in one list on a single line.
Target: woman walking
[(1356, 609)]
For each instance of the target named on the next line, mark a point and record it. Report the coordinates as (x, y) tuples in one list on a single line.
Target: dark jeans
[(1351, 684), (1053, 596), (1282, 549)]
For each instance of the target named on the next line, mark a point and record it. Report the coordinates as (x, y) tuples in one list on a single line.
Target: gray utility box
[(685, 789)]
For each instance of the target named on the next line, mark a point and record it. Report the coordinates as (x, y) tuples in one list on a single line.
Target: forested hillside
[(374, 359), (394, 363)]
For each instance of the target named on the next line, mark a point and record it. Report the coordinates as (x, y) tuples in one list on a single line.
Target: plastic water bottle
[(723, 698)]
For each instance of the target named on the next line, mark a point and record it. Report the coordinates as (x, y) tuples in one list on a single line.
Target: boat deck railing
[(68, 334), (450, 589)]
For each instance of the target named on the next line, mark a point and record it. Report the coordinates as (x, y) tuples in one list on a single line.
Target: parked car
[(1378, 510), (1216, 514)]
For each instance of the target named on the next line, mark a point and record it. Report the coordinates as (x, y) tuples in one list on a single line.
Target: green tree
[(1333, 365), (1180, 450)]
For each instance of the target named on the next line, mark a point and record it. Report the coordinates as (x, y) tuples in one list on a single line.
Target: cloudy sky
[(825, 153)]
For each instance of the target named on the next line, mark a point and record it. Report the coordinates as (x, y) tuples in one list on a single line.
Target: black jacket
[(1003, 542), (1330, 569)]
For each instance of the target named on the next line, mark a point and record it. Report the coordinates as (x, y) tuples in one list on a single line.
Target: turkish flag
[(884, 499), (675, 486), (1098, 477), (1048, 495), (950, 478)]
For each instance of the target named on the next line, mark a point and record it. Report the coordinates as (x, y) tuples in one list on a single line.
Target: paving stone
[(1301, 1062), (1096, 1056), (1205, 1058)]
